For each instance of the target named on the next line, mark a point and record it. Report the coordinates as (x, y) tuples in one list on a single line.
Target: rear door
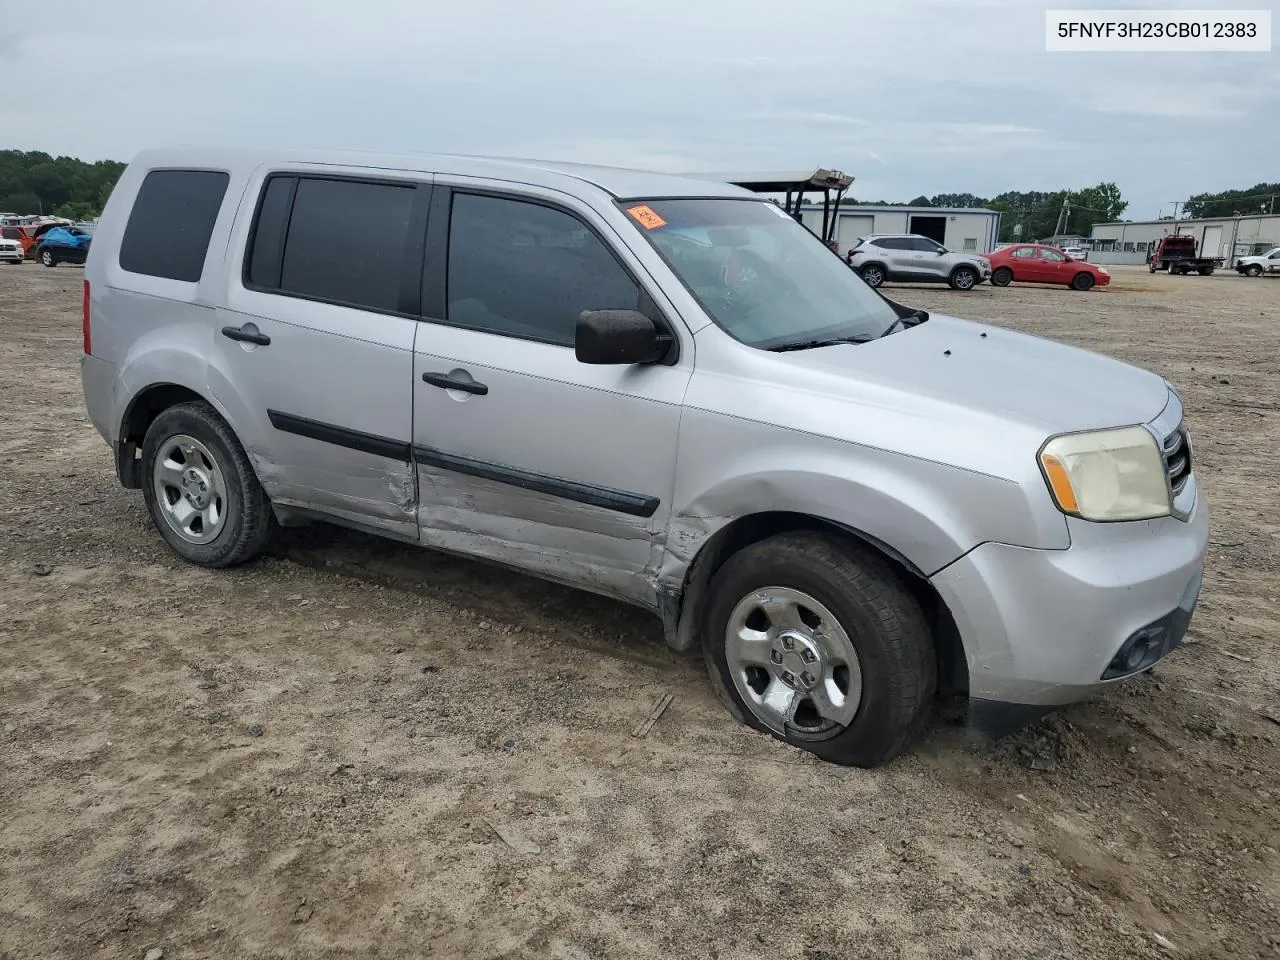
[(525, 455), (1025, 264), (313, 354)]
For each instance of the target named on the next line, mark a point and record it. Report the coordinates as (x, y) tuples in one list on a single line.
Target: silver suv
[(912, 258), (660, 389)]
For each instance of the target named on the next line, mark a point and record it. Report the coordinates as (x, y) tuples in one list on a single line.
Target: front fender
[(927, 513)]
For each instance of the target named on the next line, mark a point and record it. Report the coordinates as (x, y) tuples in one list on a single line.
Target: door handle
[(446, 382), (246, 336)]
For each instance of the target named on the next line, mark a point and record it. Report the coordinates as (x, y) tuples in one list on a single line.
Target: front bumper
[(1041, 627)]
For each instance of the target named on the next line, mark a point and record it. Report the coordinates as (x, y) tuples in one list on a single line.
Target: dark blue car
[(64, 245)]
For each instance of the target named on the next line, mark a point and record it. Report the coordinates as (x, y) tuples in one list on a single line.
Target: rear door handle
[(246, 336), (446, 382)]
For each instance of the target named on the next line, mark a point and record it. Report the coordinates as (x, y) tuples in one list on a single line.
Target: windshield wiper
[(812, 344)]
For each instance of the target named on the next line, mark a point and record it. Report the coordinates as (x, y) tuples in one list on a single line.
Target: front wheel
[(1002, 277), (1082, 281), (48, 259), (1254, 270), (816, 642), (873, 275), (963, 278), (200, 488)]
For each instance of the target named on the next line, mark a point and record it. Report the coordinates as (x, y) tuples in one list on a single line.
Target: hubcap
[(793, 664), (964, 280), (190, 489)]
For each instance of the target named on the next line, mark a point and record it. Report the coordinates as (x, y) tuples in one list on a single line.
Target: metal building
[(1226, 237), (965, 230)]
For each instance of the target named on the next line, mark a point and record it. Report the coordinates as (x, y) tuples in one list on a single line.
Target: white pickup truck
[(1268, 262)]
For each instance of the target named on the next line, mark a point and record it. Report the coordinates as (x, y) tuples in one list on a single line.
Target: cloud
[(914, 96)]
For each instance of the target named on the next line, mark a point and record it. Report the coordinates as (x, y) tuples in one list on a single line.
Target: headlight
[(1107, 475)]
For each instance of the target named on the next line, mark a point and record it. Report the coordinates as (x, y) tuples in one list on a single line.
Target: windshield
[(763, 278)]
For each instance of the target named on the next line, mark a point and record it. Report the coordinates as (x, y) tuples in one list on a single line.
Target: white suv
[(916, 259)]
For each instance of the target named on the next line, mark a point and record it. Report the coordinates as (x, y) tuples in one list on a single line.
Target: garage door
[(1211, 246), (851, 228)]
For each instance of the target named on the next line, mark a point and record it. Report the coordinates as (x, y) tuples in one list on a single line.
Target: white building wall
[(968, 232), (1132, 241), (859, 222)]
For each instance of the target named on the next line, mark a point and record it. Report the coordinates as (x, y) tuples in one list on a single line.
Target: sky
[(911, 97)]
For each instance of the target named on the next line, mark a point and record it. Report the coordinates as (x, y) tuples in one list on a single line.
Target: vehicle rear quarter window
[(172, 222), (525, 270), (325, 259)]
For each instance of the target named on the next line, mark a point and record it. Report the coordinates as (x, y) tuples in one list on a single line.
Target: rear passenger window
[(325, 259), (525, 270), (171, 223)]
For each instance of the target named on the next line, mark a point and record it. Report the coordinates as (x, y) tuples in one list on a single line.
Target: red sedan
[(1036, 263)]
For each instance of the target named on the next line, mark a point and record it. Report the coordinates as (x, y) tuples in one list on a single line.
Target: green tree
[(20, 203), (1260, 198)]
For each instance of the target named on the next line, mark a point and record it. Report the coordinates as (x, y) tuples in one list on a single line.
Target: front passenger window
[(525, 270)]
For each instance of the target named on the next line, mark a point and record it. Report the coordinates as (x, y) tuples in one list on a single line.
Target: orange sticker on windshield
[(646, 217)]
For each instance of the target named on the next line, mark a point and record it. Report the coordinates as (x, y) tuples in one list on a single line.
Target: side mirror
[(618, 337)]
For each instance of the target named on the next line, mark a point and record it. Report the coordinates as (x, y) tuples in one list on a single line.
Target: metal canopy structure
[(793, 185)]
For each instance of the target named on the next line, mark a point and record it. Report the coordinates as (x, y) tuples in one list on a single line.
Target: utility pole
[(1176, 205), (1063, 215)]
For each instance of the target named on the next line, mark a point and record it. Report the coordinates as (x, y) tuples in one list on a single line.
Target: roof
[(617, 181), (774, 181), (889, 208), (1184, 220)]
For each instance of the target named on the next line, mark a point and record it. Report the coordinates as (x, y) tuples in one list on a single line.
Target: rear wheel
[(200, 488), (1001, 277), (1206, 271), (963, 278), (1253, 270), (873, 275), (1153, 266), (1082, 281), (47, 258), (816, 641)]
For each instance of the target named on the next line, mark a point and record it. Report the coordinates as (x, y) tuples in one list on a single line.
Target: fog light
[(1139, 652)]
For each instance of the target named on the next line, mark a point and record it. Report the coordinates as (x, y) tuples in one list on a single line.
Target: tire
[(1253, 270), (864, 610), (1152, 266), (1001, 277), (873, 275), (47, 258), (1206, 271), (963, 278), (192, 435), (1082, 281)]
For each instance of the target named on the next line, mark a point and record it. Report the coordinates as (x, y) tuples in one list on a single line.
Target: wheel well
[(138, 417), (953, 670), (873, 263)]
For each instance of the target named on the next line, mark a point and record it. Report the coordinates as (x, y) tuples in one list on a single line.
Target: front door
[(1055, 266), (525, 455), (313, 356)]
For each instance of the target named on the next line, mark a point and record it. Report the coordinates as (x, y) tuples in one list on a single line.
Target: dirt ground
[(319, 755)]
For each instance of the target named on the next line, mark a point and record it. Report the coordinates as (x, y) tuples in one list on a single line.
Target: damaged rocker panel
[(622, 501), (633, 504)]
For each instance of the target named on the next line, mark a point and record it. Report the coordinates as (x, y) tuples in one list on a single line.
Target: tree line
[(1037, 214), (35, 182)]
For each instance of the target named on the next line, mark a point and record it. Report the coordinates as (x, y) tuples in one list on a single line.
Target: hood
[(987, 372)]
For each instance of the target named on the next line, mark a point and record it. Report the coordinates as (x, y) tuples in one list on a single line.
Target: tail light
[(84, 320)]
